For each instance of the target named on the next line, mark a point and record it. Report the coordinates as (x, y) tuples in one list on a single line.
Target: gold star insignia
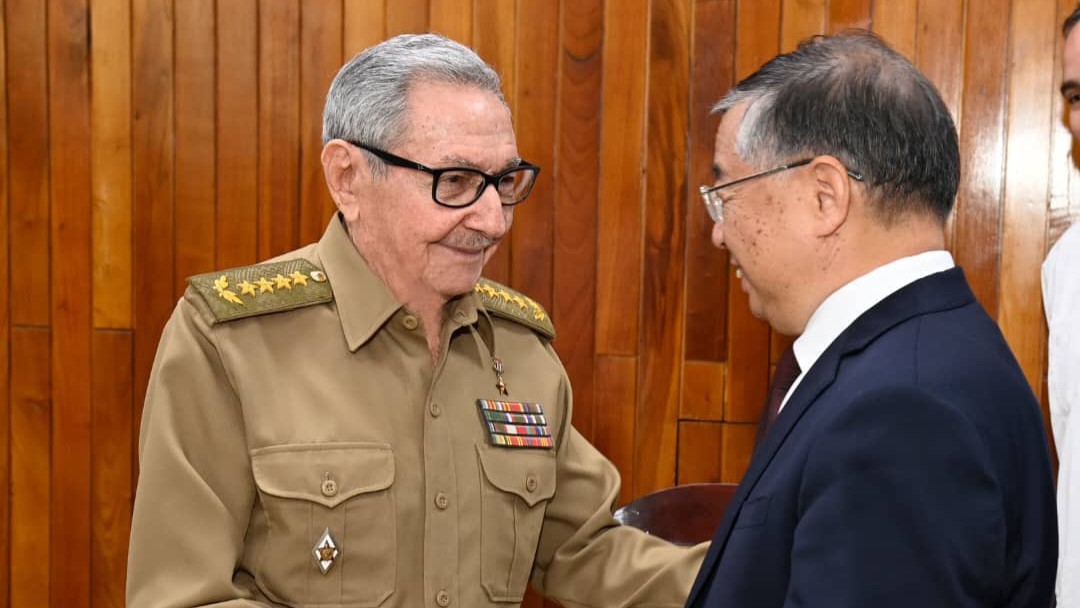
[(230, 296), (247, 287), (282, 282), (265, 285), (297, 278), (520, 302), (326, 552), (504, 295), (221, 283)]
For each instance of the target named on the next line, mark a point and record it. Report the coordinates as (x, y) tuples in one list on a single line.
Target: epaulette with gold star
[(513, 305), (263, 288)]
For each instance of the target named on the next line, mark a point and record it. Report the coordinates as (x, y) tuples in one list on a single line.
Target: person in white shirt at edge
[(1061, 297)]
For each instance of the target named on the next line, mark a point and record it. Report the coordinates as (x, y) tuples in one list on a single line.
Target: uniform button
[(435, 409), (410, 322), (329, 487), (442, 598), (531, 483), (442, 500)]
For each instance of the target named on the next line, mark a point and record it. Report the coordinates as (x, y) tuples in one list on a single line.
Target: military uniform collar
[(364, 302)]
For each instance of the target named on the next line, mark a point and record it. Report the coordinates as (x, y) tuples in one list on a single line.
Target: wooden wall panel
[(28, 107), (576, 199), (237, 133), (195, 217), (71, 314), (144, 140), (110, 145)]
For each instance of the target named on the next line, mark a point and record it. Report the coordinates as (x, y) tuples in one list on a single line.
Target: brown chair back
[(684, 515)]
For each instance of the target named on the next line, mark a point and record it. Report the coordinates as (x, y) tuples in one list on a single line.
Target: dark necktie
[(787, 370)]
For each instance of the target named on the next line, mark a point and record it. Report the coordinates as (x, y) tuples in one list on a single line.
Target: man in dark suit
[(908, 464)]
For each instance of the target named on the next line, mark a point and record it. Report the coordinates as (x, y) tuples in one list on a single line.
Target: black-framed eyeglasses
[(462, 186), (714, 203)]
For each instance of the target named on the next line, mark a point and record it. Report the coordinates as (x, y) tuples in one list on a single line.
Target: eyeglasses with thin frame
[(714, 203), (462, 186)]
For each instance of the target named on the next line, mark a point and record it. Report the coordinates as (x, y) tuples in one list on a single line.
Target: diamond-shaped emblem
[(325, 551)]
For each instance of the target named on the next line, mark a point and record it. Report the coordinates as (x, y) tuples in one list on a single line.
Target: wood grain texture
[(712, 74), (614, 431), (5, 336), (941, 34), (738, 446), (237, 133), (406, 17), (978, 214), (576, 200), (801, 19), (279, 126), (847, 14), (195, 218), (453, 19), (896, 21), (1027, 184), (153, 177), (320, 53), (701, 446), (27, 107), (365, 24), (622, 163), (535, 95), (111, 162), (111, 466), (70, 240), (662, 297), (31, 485), (757, 33), (702, 391)]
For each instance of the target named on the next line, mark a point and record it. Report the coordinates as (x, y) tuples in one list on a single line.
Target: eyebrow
[(1069, 85), (458, 161)]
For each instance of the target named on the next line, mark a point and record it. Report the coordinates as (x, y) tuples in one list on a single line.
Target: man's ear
[(340, 168), (833, 195)]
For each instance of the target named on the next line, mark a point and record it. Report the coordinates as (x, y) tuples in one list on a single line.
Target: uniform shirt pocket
[(516, 486), (307, 489)]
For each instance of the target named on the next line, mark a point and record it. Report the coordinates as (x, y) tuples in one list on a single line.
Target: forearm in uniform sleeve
[(194, 495)]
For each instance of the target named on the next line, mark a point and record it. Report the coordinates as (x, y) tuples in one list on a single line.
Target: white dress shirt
[(848, 303), (1061, 298)]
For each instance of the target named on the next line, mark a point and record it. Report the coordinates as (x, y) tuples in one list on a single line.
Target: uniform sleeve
[(898, 508), (587, 559), (195, 493)]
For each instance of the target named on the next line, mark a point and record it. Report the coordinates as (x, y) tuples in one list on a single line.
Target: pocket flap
[(301, 470), (529, 474)]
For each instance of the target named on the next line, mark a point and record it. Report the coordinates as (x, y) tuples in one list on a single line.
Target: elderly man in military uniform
[(367, 422)]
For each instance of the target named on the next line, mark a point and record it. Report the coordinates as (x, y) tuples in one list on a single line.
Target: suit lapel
[(940, 291)]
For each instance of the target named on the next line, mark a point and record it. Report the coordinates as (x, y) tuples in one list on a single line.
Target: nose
[(718, 234), (488, 215)]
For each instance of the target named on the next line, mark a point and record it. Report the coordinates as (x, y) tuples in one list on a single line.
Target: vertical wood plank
[(737, 447), (896, 21), (237, 133), (69, 111), (847, 14), (703, 391), (195, 149), (977, 219), (537, 68), (616, 394), (28, 107), (1062, 160), (713, 73), (700, 452), (1026, 177), (153, 146), (279, 126), (801, 19), (320, 56), (453, 19), (30, 459), (622, 164), (5, 332), (577, 200), (494, 33), (111, 162), (365, 24), (940, 49), (748, 338), (662, 293), (111, 466), (406, 17)]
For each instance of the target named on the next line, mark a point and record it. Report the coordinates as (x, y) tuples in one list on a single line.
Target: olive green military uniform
[(298, 449)]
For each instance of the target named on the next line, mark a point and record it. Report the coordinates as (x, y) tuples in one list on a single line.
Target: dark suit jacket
[(909, 468)]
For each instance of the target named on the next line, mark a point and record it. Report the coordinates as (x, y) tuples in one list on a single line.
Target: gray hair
[(852, 97), (368, 100)]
